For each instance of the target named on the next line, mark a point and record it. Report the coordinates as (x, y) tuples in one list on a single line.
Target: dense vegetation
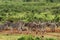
[(30, 10)]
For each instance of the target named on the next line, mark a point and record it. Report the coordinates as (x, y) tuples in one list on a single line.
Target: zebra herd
[(22, 26)]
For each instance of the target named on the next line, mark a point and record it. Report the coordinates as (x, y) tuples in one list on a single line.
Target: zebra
[(58, 24), (18, 25), (31, 26), (51, 25), (3, 27)]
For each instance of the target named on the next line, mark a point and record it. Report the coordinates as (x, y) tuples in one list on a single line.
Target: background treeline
[(30, 10)]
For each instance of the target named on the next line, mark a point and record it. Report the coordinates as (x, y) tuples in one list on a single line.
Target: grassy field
[(17, 36), (9, 37)]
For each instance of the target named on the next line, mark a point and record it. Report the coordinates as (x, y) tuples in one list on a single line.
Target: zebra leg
[(20, 29), (42, 32), (53, 29), (0, 29), (11, 29), (30, 31)]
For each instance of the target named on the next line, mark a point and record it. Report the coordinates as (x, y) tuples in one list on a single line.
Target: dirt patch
[(34, 33)]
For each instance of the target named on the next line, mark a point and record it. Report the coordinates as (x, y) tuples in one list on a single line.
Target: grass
[(22, 37), (9, 37)]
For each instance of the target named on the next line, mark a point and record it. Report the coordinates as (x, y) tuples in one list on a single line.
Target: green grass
[(9, 37), (23, 37)]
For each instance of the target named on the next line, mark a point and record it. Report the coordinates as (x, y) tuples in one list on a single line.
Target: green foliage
[(37, 38), (50, 39), (30, 10), (29, 37), (22, 38)]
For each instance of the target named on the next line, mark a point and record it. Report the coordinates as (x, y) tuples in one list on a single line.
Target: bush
[(35, 10)]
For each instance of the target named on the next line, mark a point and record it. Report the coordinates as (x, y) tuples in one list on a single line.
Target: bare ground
[(35, 33)]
